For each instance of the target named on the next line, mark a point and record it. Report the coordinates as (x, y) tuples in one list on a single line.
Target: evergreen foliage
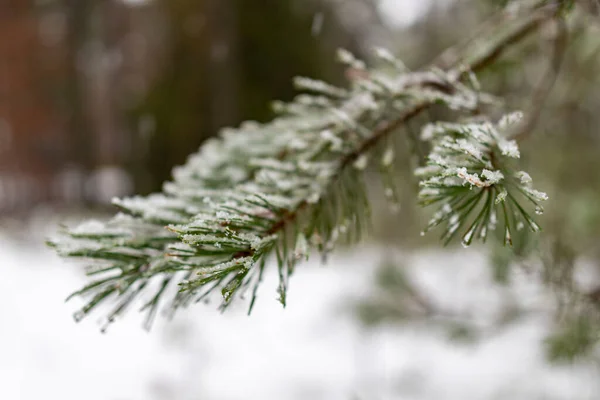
[(469, 171), (298, 182)]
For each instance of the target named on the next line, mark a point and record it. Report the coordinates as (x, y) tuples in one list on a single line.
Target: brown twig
[(547, 82), (449, 58), (539, 18)]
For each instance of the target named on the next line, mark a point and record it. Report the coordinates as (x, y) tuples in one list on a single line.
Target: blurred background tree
[(224, 63), (130, 88)]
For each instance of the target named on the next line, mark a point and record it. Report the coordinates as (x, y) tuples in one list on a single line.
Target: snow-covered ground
[(314, 349)]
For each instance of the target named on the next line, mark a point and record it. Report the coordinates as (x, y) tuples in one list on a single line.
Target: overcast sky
[(399, 13)]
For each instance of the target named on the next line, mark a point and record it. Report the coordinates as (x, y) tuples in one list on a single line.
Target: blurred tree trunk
[(80, 153), (223, 62)]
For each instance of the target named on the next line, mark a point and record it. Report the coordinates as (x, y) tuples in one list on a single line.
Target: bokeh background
[(101, 98)]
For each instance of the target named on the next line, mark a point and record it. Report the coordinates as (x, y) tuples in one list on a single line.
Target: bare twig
[(450, 57), (548, 80), (537, 20)]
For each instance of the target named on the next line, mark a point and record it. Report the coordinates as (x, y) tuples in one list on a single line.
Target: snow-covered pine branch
[(471, 174), (284, 187)]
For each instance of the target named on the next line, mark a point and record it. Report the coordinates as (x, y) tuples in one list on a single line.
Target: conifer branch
[(297, 181)]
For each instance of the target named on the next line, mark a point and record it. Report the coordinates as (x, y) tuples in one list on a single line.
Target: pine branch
[(268, 189), (470, 174)]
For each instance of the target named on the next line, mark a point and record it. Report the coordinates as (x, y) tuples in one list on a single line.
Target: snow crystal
[(429, 192), (501, 196), (388, 157), (472, 179), (346, 57), (89, 228), (245, 262), (454, 219), (361, 162), (384, 54), (468, 236), (509, 148), (536, 194), (329, 136), (510, 119), (446, 208), (313, 198), (428, 170), (315, 85), (428, 131), (366, 101), (225, 215), (492, 177), (523, 177), (469, 148)]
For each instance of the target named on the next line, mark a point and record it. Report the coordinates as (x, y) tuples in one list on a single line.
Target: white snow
[(314, 349)]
